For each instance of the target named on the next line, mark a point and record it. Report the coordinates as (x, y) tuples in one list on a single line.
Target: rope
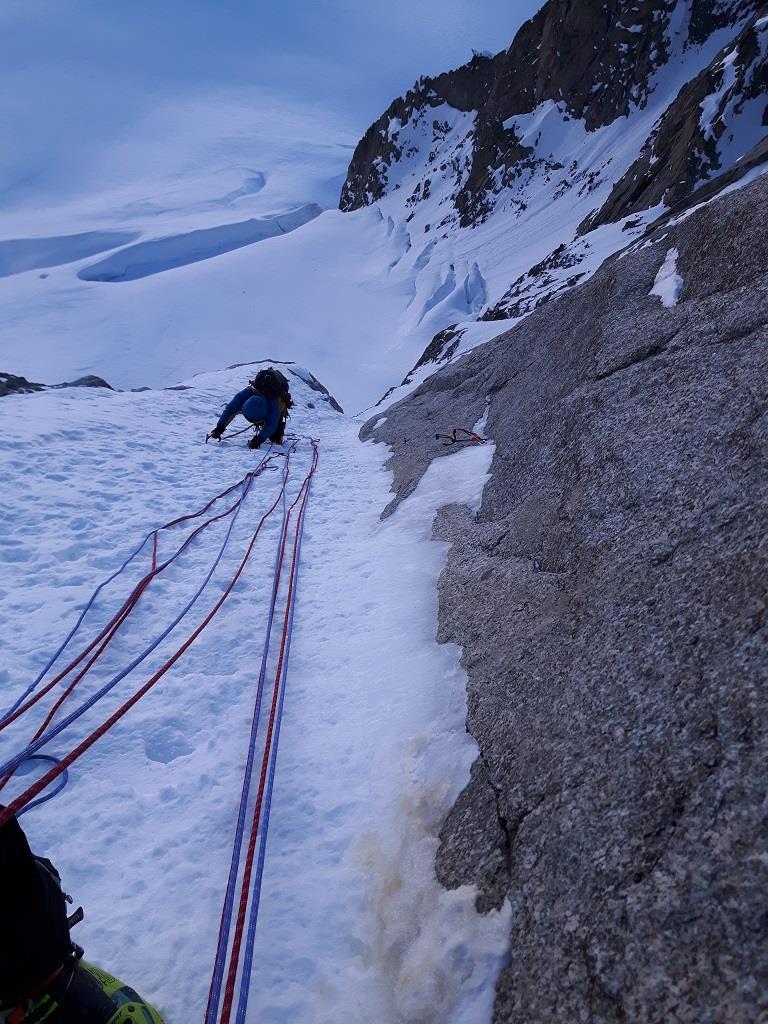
[(30, 797), (236, 433), (214, 993), (270, 750), (89, 604), (40, 741), (116, 621), (54, 792), (256, 900), (36, 788)]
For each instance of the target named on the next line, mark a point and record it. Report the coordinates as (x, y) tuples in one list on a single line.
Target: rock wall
[(610, 599), (683, 149), (600, 61)]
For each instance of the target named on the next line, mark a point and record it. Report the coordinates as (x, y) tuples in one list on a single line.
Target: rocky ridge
[(600, 63), (690, 143), (596, 120), (12, 384)]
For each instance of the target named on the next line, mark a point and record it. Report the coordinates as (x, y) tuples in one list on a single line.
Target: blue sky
[(80, 75)]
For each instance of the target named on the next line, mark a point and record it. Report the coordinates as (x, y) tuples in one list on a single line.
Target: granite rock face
[(611, 600)]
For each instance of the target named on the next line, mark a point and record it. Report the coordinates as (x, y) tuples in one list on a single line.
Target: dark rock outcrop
[(89, 381), (314, 384), (683, 150), (611, 600), (10, 384), (599, 61)]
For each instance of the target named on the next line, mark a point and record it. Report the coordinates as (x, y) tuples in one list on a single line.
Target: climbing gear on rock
[(453, 437)]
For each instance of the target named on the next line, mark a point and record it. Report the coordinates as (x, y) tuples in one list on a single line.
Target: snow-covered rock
[(539, 163)]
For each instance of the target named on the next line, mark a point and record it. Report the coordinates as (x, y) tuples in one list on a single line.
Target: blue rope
[(245, 977), (33, 686), (33, 747), (63, 780), (229, 897), (60, 650)]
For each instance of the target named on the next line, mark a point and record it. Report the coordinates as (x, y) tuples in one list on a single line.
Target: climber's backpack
[(270, 383)]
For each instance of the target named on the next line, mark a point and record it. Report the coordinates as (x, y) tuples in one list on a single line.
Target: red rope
[(37, 787), (245, 887), (117, 619), (122, 617)]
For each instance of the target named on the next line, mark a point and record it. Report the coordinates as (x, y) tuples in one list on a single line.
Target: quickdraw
[(453, 438)]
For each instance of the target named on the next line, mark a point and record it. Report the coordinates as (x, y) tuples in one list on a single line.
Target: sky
[(81, 78)]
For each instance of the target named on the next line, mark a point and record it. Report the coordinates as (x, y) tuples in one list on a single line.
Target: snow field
[(319, 295), (353, 925), (372, 756)]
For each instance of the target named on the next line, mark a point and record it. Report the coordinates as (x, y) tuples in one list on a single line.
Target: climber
[(265, 401), (42, 977)]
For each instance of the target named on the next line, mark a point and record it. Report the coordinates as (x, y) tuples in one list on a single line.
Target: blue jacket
[(255, 407)]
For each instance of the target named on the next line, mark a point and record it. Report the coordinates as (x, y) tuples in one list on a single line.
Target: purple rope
[(33, 747), (63, 780), (245, 977), (214, 997)]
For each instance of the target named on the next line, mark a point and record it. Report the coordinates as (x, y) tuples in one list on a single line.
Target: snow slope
[(219, 252), (186, 187), (319, 295), (353, 924)]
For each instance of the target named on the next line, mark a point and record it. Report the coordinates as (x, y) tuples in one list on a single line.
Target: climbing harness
[(453, 437)]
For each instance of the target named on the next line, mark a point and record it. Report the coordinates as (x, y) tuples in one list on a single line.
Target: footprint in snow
[(166, 744)]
